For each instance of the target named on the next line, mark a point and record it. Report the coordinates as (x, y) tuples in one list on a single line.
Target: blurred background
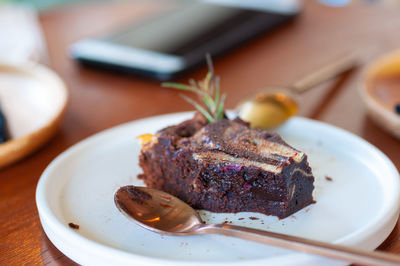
[(70, 69)]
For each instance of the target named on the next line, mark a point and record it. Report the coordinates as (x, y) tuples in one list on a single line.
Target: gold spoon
[(163, 213), (272, 106)]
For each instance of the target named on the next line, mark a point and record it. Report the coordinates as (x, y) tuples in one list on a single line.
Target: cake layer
[(233, 162)]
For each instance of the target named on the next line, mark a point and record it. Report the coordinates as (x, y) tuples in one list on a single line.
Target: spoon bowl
[(156, 210), (269, 107)]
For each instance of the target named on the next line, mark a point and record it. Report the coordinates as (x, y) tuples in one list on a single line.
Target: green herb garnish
[(207, 90)]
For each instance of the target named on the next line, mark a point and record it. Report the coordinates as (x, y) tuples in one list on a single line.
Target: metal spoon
[(272, 106), (163, 213)]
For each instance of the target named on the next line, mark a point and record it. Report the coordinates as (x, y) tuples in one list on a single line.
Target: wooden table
[(100, 99)]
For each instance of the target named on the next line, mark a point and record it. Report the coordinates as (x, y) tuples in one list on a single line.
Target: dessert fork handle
[(301, 244)]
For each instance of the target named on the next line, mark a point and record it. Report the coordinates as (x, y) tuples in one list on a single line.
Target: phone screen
[(193, 26), (180, 38)]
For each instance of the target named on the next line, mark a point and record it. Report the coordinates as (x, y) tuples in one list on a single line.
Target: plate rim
[(50, 221)]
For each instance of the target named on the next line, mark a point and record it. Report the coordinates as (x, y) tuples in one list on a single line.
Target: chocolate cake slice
[(225, 166)]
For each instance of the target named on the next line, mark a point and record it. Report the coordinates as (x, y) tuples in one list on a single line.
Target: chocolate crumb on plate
[(328, 178), (253, 218), (73, 226)]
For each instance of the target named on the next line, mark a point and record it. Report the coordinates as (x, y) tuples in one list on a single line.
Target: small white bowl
[(33, 99), (383, 113)]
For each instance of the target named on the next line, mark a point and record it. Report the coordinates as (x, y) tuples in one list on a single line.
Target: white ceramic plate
[(358, 208)]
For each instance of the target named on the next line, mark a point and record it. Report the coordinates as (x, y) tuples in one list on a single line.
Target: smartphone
[(179, 39)]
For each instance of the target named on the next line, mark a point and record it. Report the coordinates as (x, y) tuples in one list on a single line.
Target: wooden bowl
[(380, 91), (33, 99)]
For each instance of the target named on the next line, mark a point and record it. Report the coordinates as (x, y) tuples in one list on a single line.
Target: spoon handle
[(302, 244), (327, 72)]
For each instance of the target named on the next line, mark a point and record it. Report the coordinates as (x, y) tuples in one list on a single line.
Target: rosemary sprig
[(207, 90)]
